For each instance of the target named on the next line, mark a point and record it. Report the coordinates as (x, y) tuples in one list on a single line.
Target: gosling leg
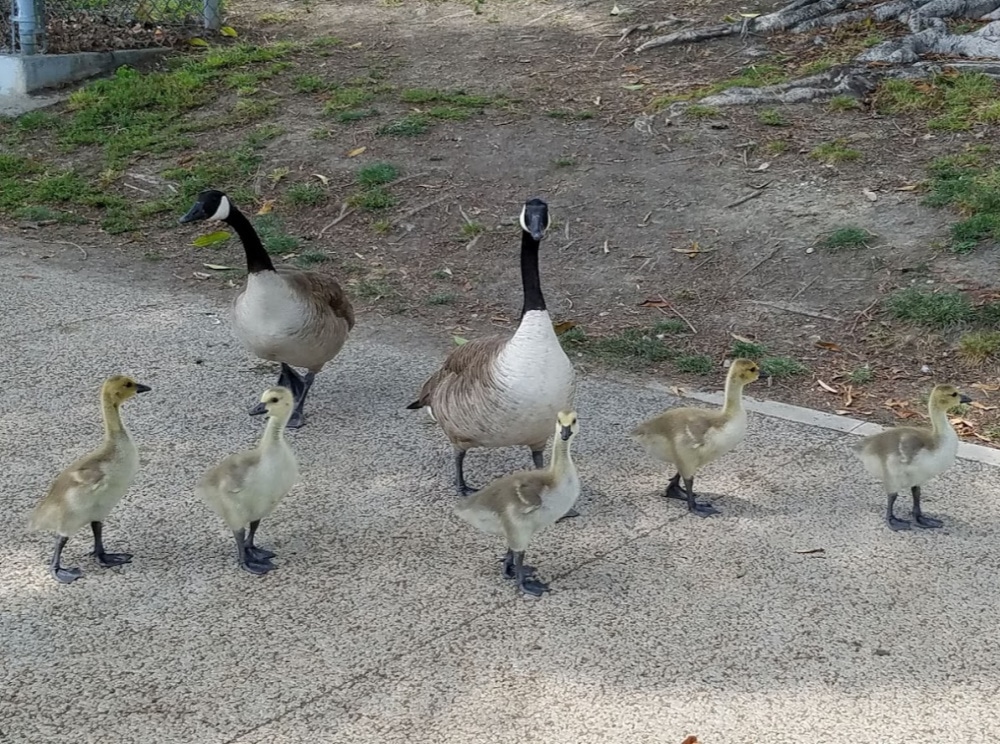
[(509, 572), (537, 457), (527, 582), (288, 378), (464, 489), (890, 518), (918, 514), (297, 419), (257, 554), (696, 507), (60, 574), (106, 559), (247, 563), (674, 490)]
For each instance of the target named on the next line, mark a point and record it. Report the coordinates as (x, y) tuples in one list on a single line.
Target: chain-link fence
[(61, 26)]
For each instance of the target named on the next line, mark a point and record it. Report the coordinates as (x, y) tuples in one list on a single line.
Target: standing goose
[(89, 489), (245, 487), (519, 505), (299, 318), (690, 438), (502, 391), (906, 457)]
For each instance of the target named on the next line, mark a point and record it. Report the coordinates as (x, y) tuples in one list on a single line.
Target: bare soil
[(646, 207)]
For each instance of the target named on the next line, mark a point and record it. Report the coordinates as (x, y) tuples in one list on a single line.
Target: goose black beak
[(535, 220), (142, 388), (197, 212), (566, 433), (964, 399)]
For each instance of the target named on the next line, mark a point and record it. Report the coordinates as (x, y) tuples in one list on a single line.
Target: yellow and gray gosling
[(517, 506), (690, 438), (246, 487), (87, 490), (906, 457)]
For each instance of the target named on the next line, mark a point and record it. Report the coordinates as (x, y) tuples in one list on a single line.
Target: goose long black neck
[(533, 299), (257, 258)]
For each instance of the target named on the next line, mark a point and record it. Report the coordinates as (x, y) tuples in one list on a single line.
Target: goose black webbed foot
[(66, 575), (896, 525), (509, 571), (527, 583), (927, 523), (104, 558), (568, 515)]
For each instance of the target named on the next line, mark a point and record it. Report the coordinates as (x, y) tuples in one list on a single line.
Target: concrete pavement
[(388, 621)]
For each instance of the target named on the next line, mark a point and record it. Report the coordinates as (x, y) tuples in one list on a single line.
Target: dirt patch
[(695, 233)]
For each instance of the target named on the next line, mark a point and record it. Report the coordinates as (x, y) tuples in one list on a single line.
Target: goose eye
[(274, 400)]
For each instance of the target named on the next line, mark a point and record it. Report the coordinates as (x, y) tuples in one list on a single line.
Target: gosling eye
[(128, 384), (273, 400)]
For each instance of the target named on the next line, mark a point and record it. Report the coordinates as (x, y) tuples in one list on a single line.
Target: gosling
[(517, 506), (89, 488), (690, 438), (246, 486), (907, 456)]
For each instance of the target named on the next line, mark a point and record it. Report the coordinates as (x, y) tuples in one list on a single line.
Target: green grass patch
[(967, 184), (564, 162), (442, 298), (311, 258), (777, 147), (376, 174), (373, 199), (347, 98), (374, 289), (834, 152), (747, 350), (977, 347), (847, 237), (569, 115), (310, 84), (860, 375), (694, 364), (273, 235), (697, 111), (782, 367), (773, 118), (410, 125), (632, 347), (843, 103), (453, 98), (928, 308), (958, 102), (356, 114), (305, 195)]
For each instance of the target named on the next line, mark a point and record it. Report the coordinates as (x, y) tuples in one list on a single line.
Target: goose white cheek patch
[(223, 211), (524, 224)]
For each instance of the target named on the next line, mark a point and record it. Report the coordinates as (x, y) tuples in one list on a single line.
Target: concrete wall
[(20, 75)]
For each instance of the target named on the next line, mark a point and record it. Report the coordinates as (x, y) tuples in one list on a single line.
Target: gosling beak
[(964, 399), (566, 433), (197, 212), (142, 388), (536, 225)]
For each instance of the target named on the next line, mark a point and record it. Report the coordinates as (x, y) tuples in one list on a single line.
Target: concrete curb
[(23, 74), (822, 420)]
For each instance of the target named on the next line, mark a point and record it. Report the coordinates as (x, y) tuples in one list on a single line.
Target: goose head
[(946, 397), (567, 425), (278, 402), (745, 371), (535, 218), (119, 388), (209, 205)]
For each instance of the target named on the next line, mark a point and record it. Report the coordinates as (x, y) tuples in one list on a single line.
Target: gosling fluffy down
[(907, 457), (86, 491), (690, 438)]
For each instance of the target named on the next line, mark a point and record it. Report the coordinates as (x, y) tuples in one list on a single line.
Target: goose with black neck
[(504, 391), (296, 317)]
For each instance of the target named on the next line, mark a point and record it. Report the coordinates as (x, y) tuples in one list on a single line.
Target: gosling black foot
[(257, 568), (66, 575), (897, 525), (568, 515), (531, 586), (259, 555), (927, 523), (466, 490), (112, 559), (510, 570)]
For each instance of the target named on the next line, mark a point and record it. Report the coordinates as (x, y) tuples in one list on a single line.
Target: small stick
[(66, 242), (757, 265), (679, 315), (751, 195), (803, 289), (464, 215), (344, 214), (864, 313), (410, 212)]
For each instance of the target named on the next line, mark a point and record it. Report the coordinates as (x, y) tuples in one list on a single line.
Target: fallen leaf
[(908, 187), (984, 387), (228, 31), (200, 275), (762, 167), (635, 86), (197, 42), (563, 326), (871, 195), (749, 15), (810, 551), (981, 406), (217, 267), (848, 396), (322, 178), (615, 11), (743, 339), (459, 340), (828, 345), (828, 388), (356, 151), (690, 740), (266, 207), (654, 303), (219, 236), (841, 412)]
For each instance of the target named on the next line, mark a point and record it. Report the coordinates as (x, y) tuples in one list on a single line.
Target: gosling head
[(210, 205), (745, 371), (120, 388), (566, 425), (535, 218), (278, 401), (945, 397)]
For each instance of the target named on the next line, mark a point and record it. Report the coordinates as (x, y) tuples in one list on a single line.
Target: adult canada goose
[(690, 438), (504, 391), (906, 457), (89, 488), (299, 318), (245, 487), (518, 505)]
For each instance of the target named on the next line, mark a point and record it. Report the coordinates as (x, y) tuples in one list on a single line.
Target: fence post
[(212, 14), (30, 14)]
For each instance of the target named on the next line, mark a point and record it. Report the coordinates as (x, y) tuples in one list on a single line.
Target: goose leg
[(527, 582), (257, 554), (60, 574), (288, 378), (674, 490), (890, 517), (463, 488), (247, 563), (509, 571), (918, 514), (106, 559), (306, 382), (696, 507), (538, 457)]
